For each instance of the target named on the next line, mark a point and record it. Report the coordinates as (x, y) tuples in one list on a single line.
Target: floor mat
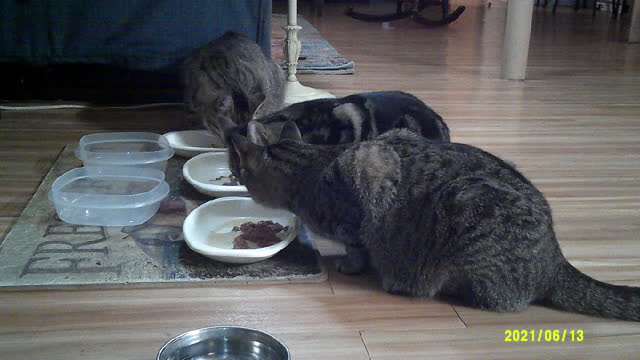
[(43, 252)]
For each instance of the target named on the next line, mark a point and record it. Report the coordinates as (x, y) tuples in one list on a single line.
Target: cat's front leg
[(393, 286), (354, 262)]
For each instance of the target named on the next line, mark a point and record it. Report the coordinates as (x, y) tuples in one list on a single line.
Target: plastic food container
[(109, 196), (137, 149)]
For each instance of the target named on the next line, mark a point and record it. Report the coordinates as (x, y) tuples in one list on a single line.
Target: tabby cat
[(231, 77), (359, 117), (430, 217)]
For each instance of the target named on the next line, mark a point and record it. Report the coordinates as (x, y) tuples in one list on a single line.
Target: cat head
[(254, 162), (227, 112)]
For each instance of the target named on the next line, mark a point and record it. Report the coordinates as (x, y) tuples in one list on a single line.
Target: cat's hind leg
[(492, 293), (426, 286), (497, 242)]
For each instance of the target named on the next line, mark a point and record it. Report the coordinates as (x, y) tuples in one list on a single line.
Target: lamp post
[(294, 91)]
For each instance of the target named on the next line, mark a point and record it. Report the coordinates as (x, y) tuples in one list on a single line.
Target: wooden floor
[(573, 128)]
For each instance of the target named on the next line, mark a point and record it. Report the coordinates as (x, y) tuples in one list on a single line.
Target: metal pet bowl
[(224, 342)]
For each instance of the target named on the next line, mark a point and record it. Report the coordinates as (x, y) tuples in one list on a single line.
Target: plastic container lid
[(108, 196), (140, 149)]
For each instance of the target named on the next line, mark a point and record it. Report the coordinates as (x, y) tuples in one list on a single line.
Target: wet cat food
[(233, 181), (240, 243), (262, 234)]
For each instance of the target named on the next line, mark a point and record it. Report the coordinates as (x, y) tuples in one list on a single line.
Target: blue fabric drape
[(136, 34)]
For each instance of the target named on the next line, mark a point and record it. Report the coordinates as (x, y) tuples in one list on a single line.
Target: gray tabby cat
[(430, 217), (356, 118), (231, 77)]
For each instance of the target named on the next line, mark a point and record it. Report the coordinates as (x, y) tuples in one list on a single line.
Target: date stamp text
[(544, 335)]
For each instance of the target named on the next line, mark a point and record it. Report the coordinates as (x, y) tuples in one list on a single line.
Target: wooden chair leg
[(445, 9), (624, 7), (318, 4)]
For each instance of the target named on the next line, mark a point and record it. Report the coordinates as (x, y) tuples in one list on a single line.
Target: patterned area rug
[(43, 252), (317, 56)]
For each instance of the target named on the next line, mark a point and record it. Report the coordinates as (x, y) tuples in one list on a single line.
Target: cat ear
[(256, 101), (249, 154), (258, 134), (226, 104), (221, 115), (290, 132), (242, 145)]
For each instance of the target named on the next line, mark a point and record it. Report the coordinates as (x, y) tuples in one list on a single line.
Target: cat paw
[(347, 266), (394, 287)]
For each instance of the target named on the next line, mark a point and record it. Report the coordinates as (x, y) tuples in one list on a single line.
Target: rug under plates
[(43, 252)]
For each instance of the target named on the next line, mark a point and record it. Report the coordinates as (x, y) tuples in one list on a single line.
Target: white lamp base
[(294, 92)]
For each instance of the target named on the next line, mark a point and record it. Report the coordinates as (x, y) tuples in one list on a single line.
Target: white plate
[(204, 229), (200, 171), (189, 143)]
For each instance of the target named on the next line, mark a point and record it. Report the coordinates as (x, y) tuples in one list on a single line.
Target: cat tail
[(576, 292)]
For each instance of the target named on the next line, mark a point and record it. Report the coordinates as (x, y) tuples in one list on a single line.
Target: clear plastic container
[(137, 149), (108, 196)]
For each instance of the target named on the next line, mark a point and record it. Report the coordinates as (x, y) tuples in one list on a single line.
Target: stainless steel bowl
[(224, 342)]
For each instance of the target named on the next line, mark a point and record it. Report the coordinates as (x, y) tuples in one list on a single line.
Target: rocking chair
[(413, 10)]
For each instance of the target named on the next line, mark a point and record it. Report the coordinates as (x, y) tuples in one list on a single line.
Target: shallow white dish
[(205, 228), (189, 143), (202, 170)]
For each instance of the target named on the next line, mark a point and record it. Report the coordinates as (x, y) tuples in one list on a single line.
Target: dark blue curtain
[(135, 34)]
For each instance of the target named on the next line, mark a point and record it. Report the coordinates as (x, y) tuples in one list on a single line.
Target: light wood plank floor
[(573, 128)]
